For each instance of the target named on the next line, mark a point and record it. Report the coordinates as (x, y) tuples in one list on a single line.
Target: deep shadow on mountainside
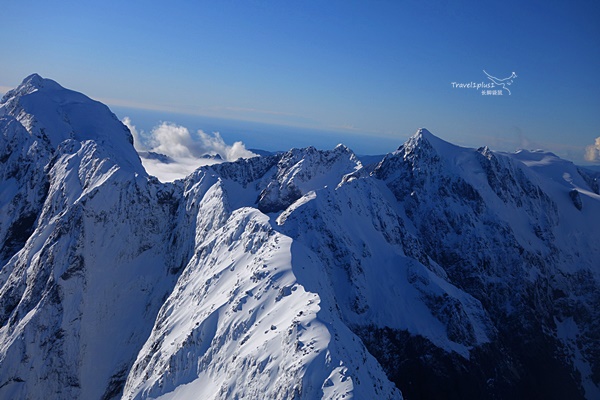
[(439, 272)]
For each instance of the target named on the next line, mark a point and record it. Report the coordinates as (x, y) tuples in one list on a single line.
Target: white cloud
[(137, 141), (187, 150), (592, 152), (173, 140), (175, 170), (215, 144)]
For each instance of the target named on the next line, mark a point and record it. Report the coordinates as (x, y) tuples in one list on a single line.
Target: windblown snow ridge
[(440, 271)]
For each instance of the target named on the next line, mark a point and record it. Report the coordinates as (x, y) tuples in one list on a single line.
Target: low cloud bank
[(185, 151), (592, 152)]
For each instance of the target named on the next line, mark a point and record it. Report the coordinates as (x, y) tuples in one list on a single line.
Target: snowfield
[(440, 271)]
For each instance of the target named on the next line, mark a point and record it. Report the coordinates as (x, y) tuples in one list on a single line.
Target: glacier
[(437, 272)]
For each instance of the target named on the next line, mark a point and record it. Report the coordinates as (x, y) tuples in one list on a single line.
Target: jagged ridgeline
[(439, 272)]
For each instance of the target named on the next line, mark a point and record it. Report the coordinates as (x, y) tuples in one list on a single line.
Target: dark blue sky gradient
[(380, 69)]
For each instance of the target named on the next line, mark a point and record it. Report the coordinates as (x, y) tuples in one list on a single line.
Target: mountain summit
[(441, 272), (33, 83), (53, 114)]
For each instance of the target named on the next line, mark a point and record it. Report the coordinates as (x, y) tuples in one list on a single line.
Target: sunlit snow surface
[(256, 278)]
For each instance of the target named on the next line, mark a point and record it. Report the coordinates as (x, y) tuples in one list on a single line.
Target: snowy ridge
[(362, 247), (59, 297), (240, 324), (294, 275), (300, 171), (503, 230)]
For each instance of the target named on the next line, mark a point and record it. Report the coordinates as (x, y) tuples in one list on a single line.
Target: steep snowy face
[(440, 272), (468, 204), (83, 283), (300, 171), (80, 298), (41, 124), (508, 230), (273, 183), (84, 245), (369, 260), (24, 184), (241, 321), (241, 324)]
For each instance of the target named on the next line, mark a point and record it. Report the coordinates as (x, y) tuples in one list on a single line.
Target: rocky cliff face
[(442, 272)]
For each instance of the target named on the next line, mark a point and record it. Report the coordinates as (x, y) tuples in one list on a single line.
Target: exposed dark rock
[(576, 199)]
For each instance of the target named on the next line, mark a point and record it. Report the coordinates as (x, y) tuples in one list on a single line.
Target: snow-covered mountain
[(439, 272)]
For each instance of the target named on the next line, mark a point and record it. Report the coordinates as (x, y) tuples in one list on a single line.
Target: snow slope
[(80, 295), (439, 271)]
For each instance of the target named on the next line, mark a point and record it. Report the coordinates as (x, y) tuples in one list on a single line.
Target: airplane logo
[(502, 82)]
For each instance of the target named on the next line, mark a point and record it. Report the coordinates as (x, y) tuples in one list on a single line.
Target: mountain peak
[(301, 273), (37, 81), (52, 113), (425, 139), (33, 83), (423, 132)]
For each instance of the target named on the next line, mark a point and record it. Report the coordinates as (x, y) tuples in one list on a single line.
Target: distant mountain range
[(432, 272)]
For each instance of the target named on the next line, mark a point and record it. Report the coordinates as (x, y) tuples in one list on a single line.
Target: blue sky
[(370, 70)]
